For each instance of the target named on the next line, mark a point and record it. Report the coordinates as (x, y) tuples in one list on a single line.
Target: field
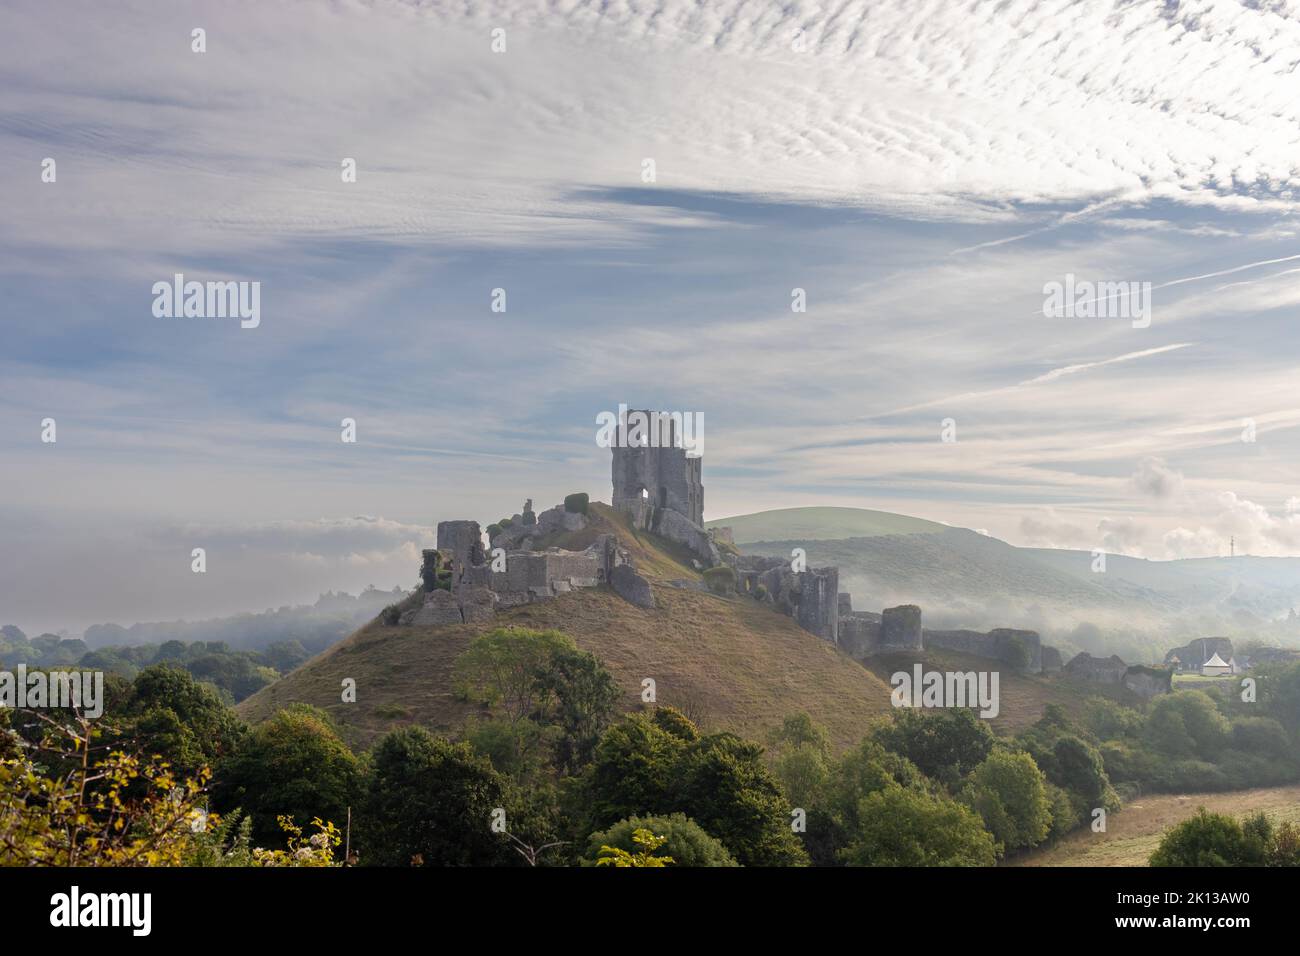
[(1133, 833)]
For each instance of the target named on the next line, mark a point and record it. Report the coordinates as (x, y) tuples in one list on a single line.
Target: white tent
[(1215, 666)]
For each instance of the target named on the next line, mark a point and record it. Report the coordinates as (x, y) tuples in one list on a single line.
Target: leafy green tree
[(502, 669), (945, 745), (662, 765), (646, 845), (185, 722), (294, 764), (1209, 839), (724, 785), (428, 796), (1263, 736), (1077, 766), (518, 750), (1009, 793), (1186, 724), (802, 759), (1065, 816), (684, 840), (897, 826), (585, 702), (632, 771)]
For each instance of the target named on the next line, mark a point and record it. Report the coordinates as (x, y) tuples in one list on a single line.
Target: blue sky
[(921, 171)]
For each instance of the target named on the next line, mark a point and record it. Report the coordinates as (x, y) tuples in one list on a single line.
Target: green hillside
[(817, 524)]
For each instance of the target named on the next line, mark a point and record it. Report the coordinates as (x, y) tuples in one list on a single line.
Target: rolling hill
[(961, 578)]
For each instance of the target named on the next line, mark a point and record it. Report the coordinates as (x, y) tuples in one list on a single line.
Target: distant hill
[(733, 664), (961, 578), (816, 524)]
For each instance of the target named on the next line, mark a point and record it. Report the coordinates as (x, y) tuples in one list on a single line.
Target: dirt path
[(1133, 833)]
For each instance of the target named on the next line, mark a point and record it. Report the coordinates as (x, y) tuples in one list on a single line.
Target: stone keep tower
[(658, 474)]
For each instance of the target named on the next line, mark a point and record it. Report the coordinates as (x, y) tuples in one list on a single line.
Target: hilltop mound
[(731, 663)]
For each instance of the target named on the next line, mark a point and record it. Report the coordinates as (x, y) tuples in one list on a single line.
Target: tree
[(944, 744), (802, 762), (1208, 839), (1263, 736), (684, 840), (723, 784), (646, 843), (431, 797), (663, 765), (1187, 723), (1078, 767), (502, 669), (1009, 793), (294, 764), (182, 720), (585, 702), (903, 827), (110, 808)]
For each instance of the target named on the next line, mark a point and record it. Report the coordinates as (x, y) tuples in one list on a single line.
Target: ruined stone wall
[(1103, 670), (818, 610), (1148, 682), (900, 628), (996, 644), (859, 634)]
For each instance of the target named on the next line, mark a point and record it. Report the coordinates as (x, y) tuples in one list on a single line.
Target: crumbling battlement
[(1001, 643), (462, 582), (651, 468)]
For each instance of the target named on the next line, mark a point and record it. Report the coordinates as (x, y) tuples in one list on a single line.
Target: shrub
[(760, 592), (576, 503), (899, 827), (1010, 793), (684, 840), (944, 744), (390, 614), (1064, 816), (721, 580), (1260, 735), (1213, 839)]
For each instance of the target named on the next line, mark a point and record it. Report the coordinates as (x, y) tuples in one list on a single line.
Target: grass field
[(1133, 834)]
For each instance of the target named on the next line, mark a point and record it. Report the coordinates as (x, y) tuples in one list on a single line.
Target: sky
[(649, 183)]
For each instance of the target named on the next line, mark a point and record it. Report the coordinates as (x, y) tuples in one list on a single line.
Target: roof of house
[(1215, 661)]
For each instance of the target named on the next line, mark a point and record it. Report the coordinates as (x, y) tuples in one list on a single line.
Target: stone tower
[(658, 473)]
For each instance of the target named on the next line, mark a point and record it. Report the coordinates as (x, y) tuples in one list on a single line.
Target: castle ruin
[(658, 485)]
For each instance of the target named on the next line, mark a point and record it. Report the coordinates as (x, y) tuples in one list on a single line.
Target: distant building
[(1216, 667)]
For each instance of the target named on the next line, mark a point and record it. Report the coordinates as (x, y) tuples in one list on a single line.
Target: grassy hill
[(817, 524), (961, 578), (732, 664)]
